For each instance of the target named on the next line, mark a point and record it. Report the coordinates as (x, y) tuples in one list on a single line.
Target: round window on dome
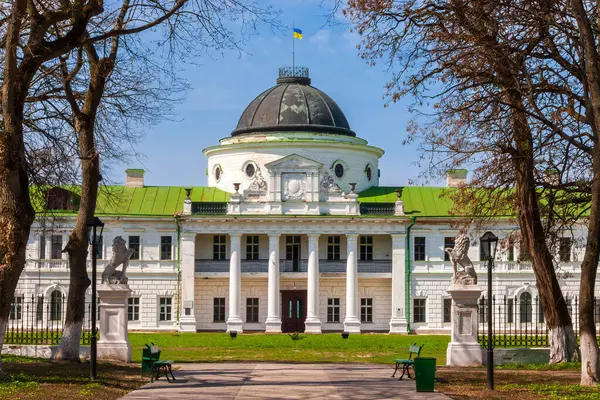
[(218, 173), (369, 172), (250, 170), (339, 170)]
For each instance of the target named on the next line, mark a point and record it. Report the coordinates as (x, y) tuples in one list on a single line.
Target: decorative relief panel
[(293, 187)]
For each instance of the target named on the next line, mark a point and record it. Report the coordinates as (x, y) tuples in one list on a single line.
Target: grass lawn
[(214, 347), (30, 378)]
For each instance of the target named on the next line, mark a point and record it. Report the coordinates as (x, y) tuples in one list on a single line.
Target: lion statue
[(121, 255), (458, 256)]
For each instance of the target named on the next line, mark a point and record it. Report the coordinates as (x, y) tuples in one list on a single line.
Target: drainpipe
[(407, 272), (177, 222)]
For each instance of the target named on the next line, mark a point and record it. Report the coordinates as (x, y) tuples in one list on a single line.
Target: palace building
[(292, 233)]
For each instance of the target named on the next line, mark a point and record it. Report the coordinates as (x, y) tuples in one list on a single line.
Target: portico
[(251, 270)]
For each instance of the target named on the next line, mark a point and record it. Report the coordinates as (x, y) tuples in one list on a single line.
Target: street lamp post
[(489, 242), (93, 224)]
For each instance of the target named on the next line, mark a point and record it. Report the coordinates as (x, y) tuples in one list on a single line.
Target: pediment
[(294, 162)]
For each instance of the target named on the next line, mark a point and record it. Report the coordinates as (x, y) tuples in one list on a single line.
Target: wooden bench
[(409, 362)]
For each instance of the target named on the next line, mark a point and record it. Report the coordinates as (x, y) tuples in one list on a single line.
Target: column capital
[(351, 236), (235, 235), (188, 236), (313, 235), (273, 236)]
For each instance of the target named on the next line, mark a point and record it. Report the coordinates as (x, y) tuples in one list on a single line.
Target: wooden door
[(293, 304)]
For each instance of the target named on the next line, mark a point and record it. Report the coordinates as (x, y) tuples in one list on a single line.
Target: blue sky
[(223, 86)]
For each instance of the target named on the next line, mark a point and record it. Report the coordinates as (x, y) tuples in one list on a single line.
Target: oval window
[(369, 174), (218, 173), (339, 170), (250, 170)]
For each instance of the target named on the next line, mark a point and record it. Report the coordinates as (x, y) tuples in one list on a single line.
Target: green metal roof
[(148, 200), (419, 201)]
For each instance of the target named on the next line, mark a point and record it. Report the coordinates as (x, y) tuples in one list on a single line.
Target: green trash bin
[(425, 373)]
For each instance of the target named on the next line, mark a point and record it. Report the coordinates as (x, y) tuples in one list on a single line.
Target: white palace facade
[(292, 233)]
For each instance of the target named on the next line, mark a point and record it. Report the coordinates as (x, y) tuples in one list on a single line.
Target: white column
[(234, 322), (187, 319), (313, 323), (273, 323), (352, 322), (398, 323)]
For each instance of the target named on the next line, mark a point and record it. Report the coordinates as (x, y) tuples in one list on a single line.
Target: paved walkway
[(282, 381)]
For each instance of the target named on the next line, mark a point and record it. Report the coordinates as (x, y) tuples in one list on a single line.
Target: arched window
[(525, 308), (56, 300)]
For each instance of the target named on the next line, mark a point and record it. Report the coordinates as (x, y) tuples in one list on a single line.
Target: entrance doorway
[(293, 304)]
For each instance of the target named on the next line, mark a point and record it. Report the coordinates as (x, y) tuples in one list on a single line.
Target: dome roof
[(293, 105)]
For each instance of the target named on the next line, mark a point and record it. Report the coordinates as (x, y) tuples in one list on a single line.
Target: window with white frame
[(333, 310), (56, 303), (510, 311), (252, 310), (366, 310), (16, 308), (447, 310), (219, 247), (333, 247), (166, 247), (483, 310), (219, 309), (133, 309), (165, 308), (419, 310), (419, 248), (252, 246), (565, 246), (448, 244), (134, 244), (366, 248), (525, 308), (56, 247), (42, 247)]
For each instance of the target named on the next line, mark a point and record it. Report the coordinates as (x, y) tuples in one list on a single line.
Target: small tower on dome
[(293, 75)]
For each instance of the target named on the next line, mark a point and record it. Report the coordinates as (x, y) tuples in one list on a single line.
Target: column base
[(398, 325), (114, 351), (234, 324), (463, 354), (273, 325), (352, 325), (187, 325), (312, 325)]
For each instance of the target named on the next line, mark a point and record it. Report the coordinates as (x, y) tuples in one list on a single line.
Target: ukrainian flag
[(297, 33)]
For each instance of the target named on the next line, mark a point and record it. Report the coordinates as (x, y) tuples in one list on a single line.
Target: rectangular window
[(164, 309), (219, 309), (510, 311), (166, 247), (366, 310), (252, 310), (366, 248), (56, 247), (133, 309), (419, 310), (419, 248), (483, 310), (42, 247), (566, 243), (333, 310), (333, 248), (523, 253), (511, 250), (292, 251), (219, 247), (16, 308), (134, 244), (99, 245), (447, 310), (39, 309), (252, 247), (448, 244)]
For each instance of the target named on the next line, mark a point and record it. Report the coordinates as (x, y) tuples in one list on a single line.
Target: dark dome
[(293, 105)]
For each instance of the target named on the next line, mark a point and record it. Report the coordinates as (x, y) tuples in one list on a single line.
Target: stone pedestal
[(464, 350), (114, 342)]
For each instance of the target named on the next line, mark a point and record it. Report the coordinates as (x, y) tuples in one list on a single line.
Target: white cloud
[(322, 41)]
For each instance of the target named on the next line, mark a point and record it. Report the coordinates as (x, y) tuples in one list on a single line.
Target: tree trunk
[(590, 368), (563, 344), (77, 247)]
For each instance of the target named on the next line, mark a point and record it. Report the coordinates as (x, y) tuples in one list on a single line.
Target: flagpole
[(293, 48)]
